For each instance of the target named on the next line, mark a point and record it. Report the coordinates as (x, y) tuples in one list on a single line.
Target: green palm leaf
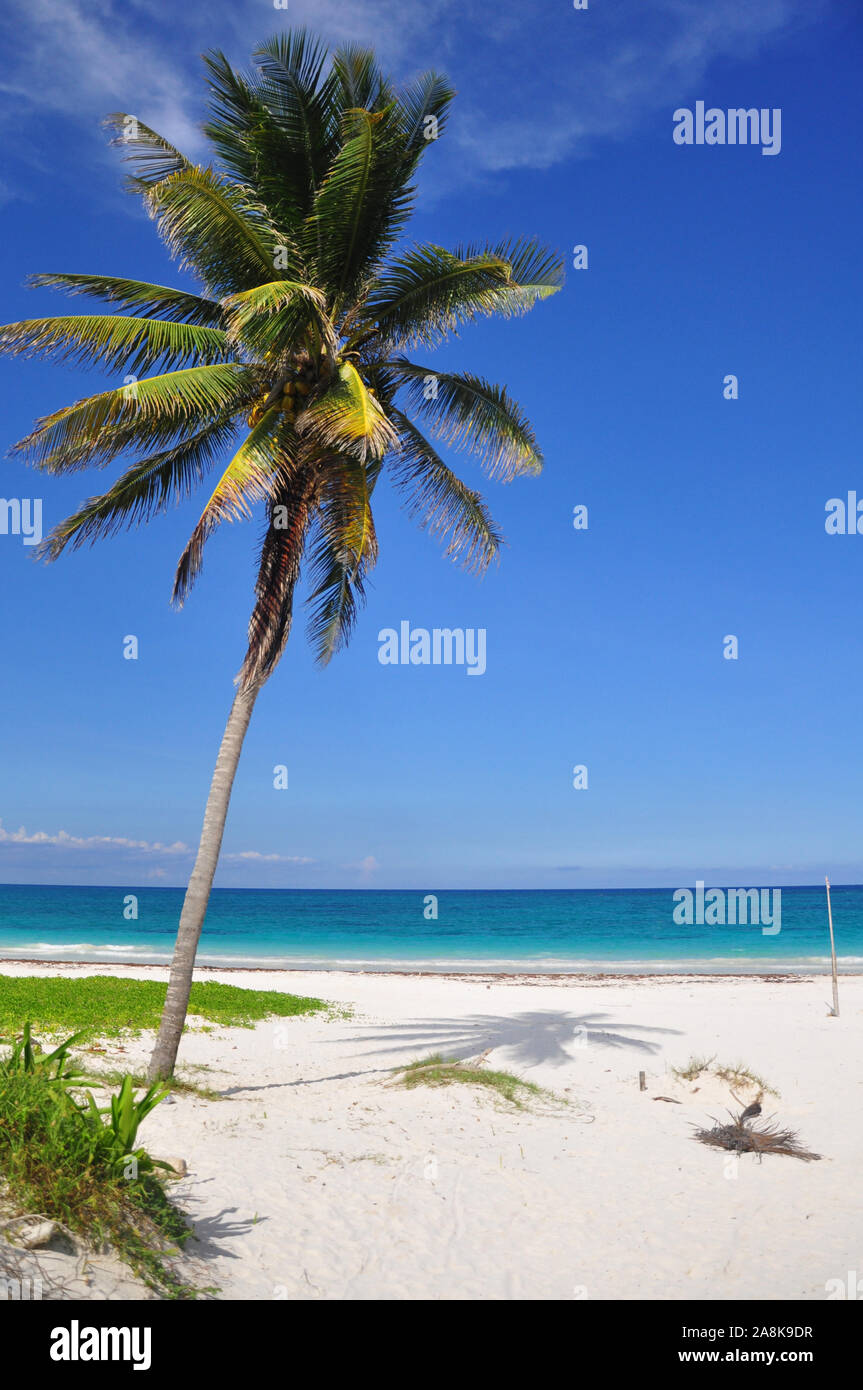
[(143, 491), (469, 412), (346, 418), (112, 340), (361, 205), (217, 230), (301, 102), (359, 82), (149, 413), (429, 95), (153, 157), (535, 272), (444, 506), (160, 300), (278, 315), (424, 294), (344, 548), (247, 479)]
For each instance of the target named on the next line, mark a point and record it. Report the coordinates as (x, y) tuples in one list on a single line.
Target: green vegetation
[(742, 1076), (438, 1071), (693, 1069), (180, 1085), (738, 1075), (104, 1006), (63, 1157), (25, 1055)]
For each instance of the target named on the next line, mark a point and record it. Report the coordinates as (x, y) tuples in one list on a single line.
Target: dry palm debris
[(740, 1137)]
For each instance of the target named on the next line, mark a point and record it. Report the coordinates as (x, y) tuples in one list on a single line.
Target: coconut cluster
[(303, 377)]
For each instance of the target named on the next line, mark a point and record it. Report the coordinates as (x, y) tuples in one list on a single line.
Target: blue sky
[(604, 646)]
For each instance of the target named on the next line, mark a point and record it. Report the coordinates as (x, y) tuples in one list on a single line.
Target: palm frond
[(347, 419), (153, 157), (273, 317), (215, 229), (441, 502), (427, 292), (237, 119), (116, 341), (289, 512), (360, 84), (142, 492), (301, 101), (535, 271), (247, 479), (342, 552), (161, 301), (429, 95), (147, 414), (466, 411), (361, 206)]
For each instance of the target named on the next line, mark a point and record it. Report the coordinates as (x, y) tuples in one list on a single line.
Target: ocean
[(544, 931)]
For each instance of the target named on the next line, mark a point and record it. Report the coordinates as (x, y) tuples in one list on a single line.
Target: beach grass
[(440, 1071), (52, 1164), (693, 1068), (738, 1074), (180, 1085), (105, 1006)]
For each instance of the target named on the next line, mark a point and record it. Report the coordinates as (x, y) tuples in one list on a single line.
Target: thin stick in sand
[(834, 1012)]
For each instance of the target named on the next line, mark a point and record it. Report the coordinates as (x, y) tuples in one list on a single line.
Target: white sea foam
[(521, 965), (62, 950)]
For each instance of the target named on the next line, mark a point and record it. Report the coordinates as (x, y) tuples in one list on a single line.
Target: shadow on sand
[(542, 1036)]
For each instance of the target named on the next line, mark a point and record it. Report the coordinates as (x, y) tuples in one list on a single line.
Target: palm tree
[(289, 363)]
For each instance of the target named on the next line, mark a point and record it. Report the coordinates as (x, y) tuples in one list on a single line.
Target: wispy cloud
[(62, 838), (81, 60), (598, 74), (530, 94), (255, 856)]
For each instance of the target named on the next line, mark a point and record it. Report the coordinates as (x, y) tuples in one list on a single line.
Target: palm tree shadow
[(210, 1232), (541, 1036)]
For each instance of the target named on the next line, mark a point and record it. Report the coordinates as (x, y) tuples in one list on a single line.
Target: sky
[(606, 647)]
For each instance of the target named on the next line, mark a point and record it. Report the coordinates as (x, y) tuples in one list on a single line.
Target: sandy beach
[(315, 1178)]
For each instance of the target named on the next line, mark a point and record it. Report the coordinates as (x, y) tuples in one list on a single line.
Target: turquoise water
[(611, 930)]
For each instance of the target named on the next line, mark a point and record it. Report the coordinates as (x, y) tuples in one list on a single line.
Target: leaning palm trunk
[(198, 892)]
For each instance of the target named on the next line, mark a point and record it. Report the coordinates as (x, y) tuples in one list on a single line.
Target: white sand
[(313, 1179)]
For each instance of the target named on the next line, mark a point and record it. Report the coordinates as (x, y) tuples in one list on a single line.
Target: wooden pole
[(835, 1010), (642, 1084)]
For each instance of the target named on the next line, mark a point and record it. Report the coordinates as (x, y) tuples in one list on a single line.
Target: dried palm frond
[(768, 1138)]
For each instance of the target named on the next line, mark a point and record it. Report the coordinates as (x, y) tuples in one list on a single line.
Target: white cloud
[(366, 866), (254, 854), (613, 68), (81, 61), (530, 94), (62, 838)]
